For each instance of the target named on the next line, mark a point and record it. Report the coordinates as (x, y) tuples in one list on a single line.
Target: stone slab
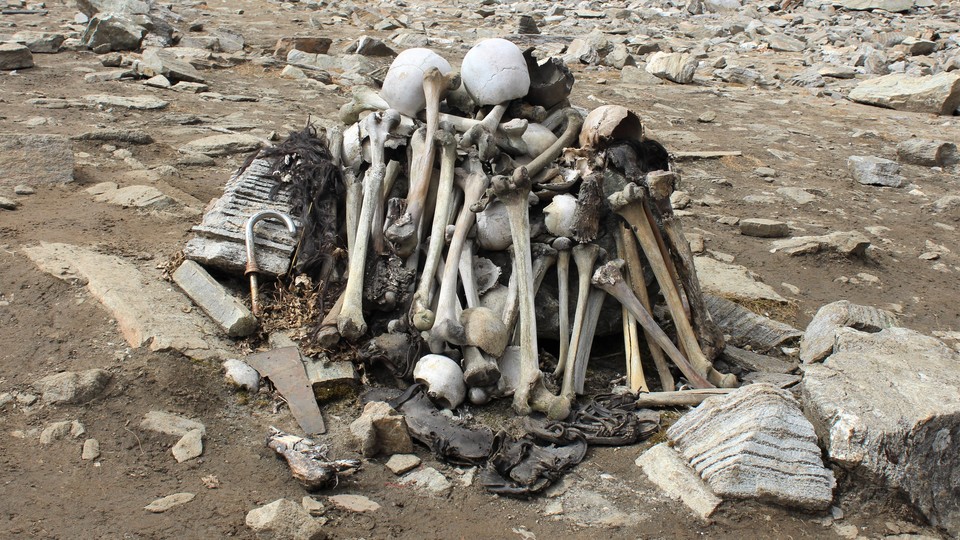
[(674, 476), (148, 312), (733, 281), (225, 310), (35, 160)]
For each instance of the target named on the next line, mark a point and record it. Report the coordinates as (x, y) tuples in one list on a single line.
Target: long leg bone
[(435, 86), (563, 245), (661, 185), (627, 248), (609, 278), (543, 258), (629, 204), (530, 393), (376, 228), (420, 314), (584, 256), (587, 333), (446, 326), (631, 339), (350, 322)]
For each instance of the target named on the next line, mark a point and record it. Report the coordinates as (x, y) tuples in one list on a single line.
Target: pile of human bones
[(520, 171)]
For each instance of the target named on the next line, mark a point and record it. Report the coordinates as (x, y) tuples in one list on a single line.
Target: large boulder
[(15, 56), (755, 443), (820, 335), (886, 406), (937, 94), (113, 33)]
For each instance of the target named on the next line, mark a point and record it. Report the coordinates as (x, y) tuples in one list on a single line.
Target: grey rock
[(130, 7), (156, 61), (170, 424), (928, 153), (91, 450), (937, 94), (72, 387), (851, 244), (428, 480), (40, 42), (819, 337), (744, 76), (106, 76), (837, 72), (228, 41), (8, 204), (113, 33), (755, 443), (797, 195), (402, 463), (354, 503), (195, 160), (23, 190), (764, 228), (55, 432), (125, 136), (875, 171), (747, 328), (189, 446), (192, 88), (636, 75), (331, 380), (945, 204), (886, 5), (733, 281), (140, 197), (381, 430), (672, 474), (887, 408), (312, 506), (239, 373), (15, 56), (144, 103), (170, 501), (751, 361), (214, 299), (223, 145), (676, 67), (785, 43)]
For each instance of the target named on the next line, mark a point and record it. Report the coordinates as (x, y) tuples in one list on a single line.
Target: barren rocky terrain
[(782, 122)]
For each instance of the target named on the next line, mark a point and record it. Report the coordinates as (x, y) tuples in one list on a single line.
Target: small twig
[(139, 444)]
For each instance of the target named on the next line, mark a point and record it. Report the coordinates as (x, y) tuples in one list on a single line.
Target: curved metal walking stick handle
[(252, 267)]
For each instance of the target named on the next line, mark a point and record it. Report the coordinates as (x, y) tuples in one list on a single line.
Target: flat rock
[(15, 56), (73, 387), (764, 228), (428, 480), (354, 503), (170, 424), (140, 197), (214, 299), (35, 159), (91, 450), (166, 503), (331, 380), (145, 103), (754, 362), (401, 463), (39, 42), (875, 171), (936, 94), (381, 430), (113, 33), (674, 476), (797, 195), (851, 244), (148, 312), (928, 153), (8, 204), (818, 339), (285, 519), (886, 406), (886, 5), (676, 67), (156, 61), (223, 145), (125, 136), (189, 446), (755, 443), (733, 281)]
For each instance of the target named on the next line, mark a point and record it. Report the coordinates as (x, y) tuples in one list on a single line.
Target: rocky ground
[(767, 87)]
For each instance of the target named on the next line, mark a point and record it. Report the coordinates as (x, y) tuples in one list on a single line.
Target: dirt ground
[(47, 325)]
